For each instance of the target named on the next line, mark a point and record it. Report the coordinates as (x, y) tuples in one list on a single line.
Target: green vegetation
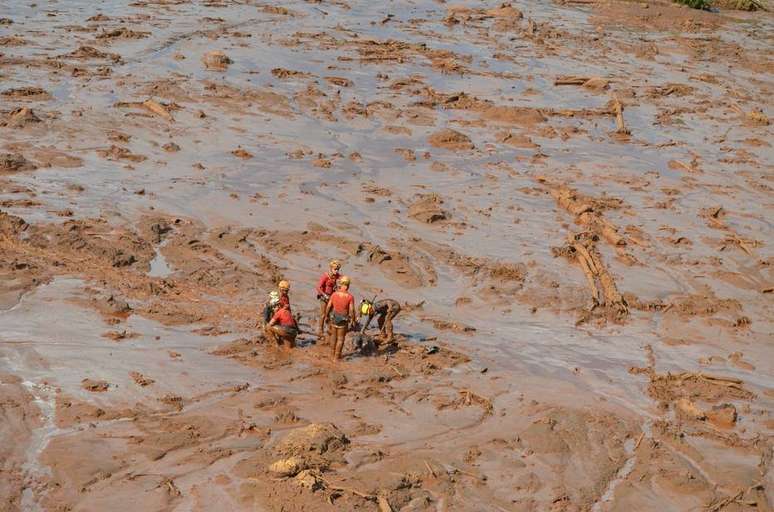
[(739, 5), (696, 4)]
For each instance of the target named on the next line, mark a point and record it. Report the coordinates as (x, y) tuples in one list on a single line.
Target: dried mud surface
[(571, 200)]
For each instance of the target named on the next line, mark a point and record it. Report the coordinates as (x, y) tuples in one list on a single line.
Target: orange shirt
[(341, 301), (284, 317)]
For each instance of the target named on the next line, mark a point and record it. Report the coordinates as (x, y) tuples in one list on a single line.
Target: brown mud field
[(571, 200)]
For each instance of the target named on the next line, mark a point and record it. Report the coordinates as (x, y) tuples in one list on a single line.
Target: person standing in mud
[(282, 328), (341, 308), (384, 310), (325, 288), (284, 290)]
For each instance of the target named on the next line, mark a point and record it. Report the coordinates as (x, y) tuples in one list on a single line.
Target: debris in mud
[(671, 387), (757, 118), (242, 153), (216, 60), (283, 73), (608, 303), (288, 467), (114, 305), (119, 335), (322, 163), (317, 438), (593, 83), (12, 41), (407, 154), (341, 82), (140, 379), (15, 162), (31, 93), (171, 147), (621, 131), (122, 33), (95, 386), (157, 108), (89, 52), (175, 401), (450, 139), (446, 325), (118, 153), (516, 140), (20, 118), (428, 208), (582, 249)]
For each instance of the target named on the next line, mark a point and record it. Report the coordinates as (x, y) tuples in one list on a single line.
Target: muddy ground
[(570, 199)]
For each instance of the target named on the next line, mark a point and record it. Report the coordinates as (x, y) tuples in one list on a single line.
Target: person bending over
[(384, 310)]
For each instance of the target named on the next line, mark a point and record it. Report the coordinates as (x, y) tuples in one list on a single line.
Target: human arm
[(367, 322), (327, 312), (274, 318), (352, 317), (321, 285)]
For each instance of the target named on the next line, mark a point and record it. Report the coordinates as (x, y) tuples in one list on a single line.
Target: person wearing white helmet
[(271, 306)]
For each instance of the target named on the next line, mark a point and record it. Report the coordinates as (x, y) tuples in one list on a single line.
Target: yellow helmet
[(344, 280), (283, 285), (335, 264)]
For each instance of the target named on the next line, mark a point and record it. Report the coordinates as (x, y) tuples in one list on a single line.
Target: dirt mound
[(586, 447), (317, 438), (27, 93), (15, 162), (121, 33), (216, 61), (450, 139), (89, 52), (95, 386), (283, 73), (20, 118), (428, 208), (696, 386), (11, 225)]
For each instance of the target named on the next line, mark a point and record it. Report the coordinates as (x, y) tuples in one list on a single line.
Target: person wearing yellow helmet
[(384, 310), (284, 290), (325, 288), (341, 310)]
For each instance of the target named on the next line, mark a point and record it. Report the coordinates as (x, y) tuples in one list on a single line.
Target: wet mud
[(570, 200)]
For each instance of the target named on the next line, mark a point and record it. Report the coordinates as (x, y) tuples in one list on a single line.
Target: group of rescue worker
[(337, 311)]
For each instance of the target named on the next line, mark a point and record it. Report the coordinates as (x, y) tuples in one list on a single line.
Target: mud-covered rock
[(450, 139), (11, 225), (216, 61), (428, 208), (20, 118), (95, 386), (317, 438), (287, 467), (723, 416), (15, 162)]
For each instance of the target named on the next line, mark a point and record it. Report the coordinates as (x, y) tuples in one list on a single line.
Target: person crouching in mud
[(325, 289), (384, 310), (341, 308), (282, 328)]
